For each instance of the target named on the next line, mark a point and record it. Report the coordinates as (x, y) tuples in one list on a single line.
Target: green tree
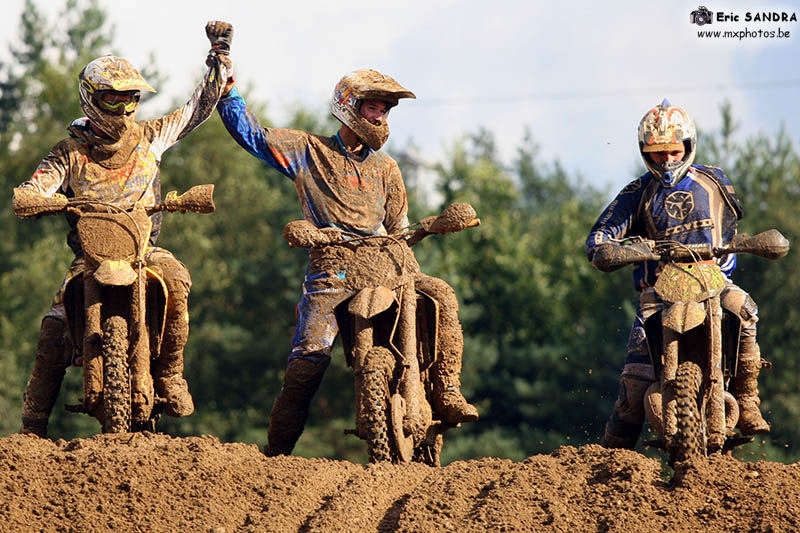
[(544, 331), (765, 171), (529, 301)]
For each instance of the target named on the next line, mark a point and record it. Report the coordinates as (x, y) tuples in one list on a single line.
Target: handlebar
[(29, 203), (456, 217), (770, 244)]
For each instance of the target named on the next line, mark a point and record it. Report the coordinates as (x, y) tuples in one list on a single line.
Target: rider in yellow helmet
[(110, 156)]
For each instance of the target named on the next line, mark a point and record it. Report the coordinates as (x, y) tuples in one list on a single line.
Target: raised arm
[(282, 149), (168, 130)]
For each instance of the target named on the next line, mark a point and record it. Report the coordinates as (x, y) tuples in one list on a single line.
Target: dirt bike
[(694, 345), (116, 307), (389, 332)]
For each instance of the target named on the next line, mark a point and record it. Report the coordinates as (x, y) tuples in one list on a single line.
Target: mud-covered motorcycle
[(116, 306), (694, 344), (389, 332)]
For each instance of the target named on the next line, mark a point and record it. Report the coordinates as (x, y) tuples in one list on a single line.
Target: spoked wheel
[(687, 442), (374, 413), (116, 376)]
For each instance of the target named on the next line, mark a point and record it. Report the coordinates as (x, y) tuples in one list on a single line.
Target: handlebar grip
[(610, 256), (30, 203), (770, 244), (198, 199)]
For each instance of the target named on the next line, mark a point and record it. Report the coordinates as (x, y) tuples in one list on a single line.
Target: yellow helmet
[(362, 85), (664, 128), (109, 89), (112, 74)]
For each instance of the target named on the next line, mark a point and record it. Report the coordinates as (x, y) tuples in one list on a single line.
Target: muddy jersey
[(701, 208), (70, 169), (358, 193)]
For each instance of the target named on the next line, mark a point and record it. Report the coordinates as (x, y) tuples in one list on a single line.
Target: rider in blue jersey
[(344, 183), (688, 203)]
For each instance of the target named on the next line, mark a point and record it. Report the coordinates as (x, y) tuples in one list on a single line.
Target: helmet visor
[(117, 102), (664, 147)]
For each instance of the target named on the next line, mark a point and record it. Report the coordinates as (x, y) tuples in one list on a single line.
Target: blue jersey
[(701, 208)]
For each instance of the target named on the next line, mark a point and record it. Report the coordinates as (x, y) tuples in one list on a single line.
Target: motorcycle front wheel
[(116, 376), (374, 410), (688, 437)]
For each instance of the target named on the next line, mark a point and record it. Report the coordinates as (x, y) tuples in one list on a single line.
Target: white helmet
[(363, 85), (663, 128)]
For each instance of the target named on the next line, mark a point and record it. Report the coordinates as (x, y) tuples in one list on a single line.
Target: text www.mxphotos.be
[(743, 34)]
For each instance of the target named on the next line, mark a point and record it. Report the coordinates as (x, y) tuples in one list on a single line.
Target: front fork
[(711, 405), (409, 383), (142, 392)]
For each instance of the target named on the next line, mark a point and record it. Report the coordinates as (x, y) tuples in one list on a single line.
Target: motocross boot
[(620, 434), (290, 410), (448, 402), (746, 388), (45, 381), (168, 366), (168, 372), (625, 423)]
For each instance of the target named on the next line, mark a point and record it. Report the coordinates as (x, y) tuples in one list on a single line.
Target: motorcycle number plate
[(689, 282)]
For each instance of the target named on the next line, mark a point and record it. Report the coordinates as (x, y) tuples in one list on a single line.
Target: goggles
[(117, 102)]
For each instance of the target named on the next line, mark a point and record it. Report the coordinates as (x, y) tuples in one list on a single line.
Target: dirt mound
[(149, 482)]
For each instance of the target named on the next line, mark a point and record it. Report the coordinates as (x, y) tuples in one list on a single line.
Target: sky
[(579, 75)]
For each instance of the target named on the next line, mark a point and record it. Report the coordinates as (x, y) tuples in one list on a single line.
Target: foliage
[(544, 331), (765, 172)]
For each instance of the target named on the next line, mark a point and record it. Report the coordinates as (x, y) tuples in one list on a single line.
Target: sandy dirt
[(153, 482)]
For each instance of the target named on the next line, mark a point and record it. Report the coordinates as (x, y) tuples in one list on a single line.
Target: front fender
[(371, 301), (681, 317), (115, 273)]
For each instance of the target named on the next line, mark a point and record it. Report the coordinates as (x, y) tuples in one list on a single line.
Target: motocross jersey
[(701, 208), (70, 169), (357, 193)]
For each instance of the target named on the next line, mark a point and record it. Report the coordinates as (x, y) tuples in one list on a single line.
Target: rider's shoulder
[(636, 185), (710, 169), (77, 129), (78, 126), (383, 158), (713, 172)]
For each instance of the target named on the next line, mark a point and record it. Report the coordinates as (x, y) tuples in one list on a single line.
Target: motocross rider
[(689, 203), (112, 157), (344, 183)]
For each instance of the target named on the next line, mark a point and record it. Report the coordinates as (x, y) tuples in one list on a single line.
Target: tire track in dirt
[(371, 496)]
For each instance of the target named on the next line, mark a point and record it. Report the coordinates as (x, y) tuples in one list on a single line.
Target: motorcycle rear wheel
[(116, 376), (686, 444)]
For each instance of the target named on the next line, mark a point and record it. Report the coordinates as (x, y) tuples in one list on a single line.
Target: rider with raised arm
[(111, 157), (690, 204), (344, 184)]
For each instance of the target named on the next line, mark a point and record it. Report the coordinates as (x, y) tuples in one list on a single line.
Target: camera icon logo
[(701, 16)]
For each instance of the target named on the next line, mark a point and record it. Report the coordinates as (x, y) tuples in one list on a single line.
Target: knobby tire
[(375, 408), (686, 443), (116, 376)]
